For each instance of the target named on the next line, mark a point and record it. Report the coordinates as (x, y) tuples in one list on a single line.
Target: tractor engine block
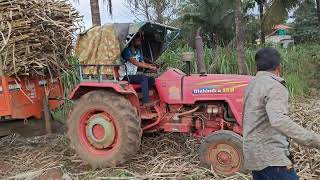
[(200, 119), (210, 118)]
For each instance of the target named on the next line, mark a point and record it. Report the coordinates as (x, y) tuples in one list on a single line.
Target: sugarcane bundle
[(36, 36)]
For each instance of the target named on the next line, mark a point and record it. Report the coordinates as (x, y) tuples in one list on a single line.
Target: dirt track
[(170, 156)]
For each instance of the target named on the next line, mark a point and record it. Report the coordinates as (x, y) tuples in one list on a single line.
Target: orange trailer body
[(22, 97)]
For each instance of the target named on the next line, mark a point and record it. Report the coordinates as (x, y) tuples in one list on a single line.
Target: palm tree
[(95, 10), (218, 29), (239, 37), (261, 11)]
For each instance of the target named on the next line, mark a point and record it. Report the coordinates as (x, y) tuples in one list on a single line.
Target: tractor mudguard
[(119, 87)]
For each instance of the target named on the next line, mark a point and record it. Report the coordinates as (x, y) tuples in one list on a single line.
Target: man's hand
[(143, 64), (153, 67)]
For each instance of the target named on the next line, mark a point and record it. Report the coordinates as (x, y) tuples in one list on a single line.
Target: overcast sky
[(120, 12)]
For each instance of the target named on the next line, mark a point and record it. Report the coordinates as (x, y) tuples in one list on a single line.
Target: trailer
[(25, 104)]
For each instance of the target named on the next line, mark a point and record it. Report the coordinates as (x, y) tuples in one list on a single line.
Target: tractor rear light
[(42, 82), (6, 117), (14, 87)]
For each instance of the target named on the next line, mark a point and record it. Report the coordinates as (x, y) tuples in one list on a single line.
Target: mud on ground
[(162, 156)]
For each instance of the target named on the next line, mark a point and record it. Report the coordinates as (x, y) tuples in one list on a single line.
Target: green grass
[(69, 79)]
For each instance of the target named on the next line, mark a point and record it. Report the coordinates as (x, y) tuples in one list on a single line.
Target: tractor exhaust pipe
[(201, 69)]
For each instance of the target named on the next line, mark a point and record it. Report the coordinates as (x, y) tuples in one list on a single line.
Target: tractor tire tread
[(125, 112), (222, 135)]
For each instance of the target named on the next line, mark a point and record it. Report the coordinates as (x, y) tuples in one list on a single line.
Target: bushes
[(69, 80), (300, 66)]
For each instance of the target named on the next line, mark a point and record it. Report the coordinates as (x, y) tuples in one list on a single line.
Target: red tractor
[(106, 124)]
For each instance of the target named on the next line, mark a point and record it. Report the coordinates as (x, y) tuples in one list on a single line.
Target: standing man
[(133, 59), (267, 125)]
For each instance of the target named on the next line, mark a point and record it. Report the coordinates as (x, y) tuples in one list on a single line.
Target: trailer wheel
[(104, 129), (222, 153)]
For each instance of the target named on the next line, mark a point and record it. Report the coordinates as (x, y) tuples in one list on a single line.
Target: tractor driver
[(133, 59)]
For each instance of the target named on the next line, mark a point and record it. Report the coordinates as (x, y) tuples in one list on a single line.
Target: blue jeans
[(146, 83), (275, 173)]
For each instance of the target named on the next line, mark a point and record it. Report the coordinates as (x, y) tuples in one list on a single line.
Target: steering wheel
[(157, 72)]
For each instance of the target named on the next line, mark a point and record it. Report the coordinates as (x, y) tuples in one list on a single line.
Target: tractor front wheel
[(222, 153), (104, 129)]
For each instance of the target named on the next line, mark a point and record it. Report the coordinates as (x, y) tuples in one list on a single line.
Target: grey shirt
[(266, 124)]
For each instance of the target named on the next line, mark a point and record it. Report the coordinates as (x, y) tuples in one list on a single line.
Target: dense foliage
[(306, 24), (214, 16)]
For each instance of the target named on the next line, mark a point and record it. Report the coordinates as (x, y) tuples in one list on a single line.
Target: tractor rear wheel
[(104, 129), (222, 153)]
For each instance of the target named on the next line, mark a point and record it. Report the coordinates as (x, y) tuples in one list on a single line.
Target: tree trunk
[(146, 10), (240, 38), (160, 7), (263, 36), (318, 10), (95, 12)]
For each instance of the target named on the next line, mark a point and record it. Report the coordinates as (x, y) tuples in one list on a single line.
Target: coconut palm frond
[(108, 2), (277, 12)]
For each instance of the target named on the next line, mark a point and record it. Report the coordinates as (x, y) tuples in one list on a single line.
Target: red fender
[(119, 87)]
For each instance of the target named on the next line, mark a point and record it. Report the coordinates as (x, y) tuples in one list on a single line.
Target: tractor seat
[(116, 75)]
